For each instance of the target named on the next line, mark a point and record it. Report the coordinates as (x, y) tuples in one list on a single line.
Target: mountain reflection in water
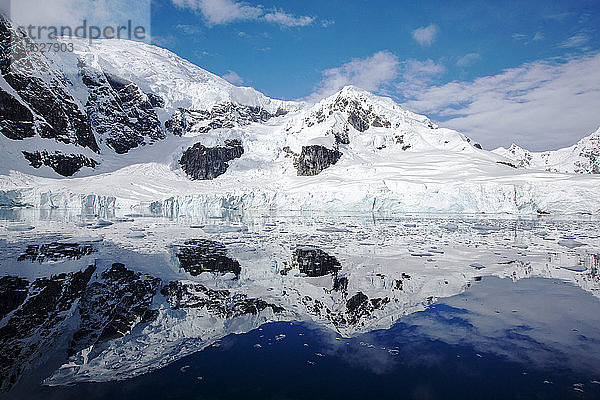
[(332, 306)]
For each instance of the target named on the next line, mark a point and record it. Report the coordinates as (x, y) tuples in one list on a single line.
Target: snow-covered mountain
[(134, 126), (581, 158)]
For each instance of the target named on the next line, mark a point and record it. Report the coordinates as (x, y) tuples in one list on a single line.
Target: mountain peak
[(352, 89), (355, 92), (180, 83)]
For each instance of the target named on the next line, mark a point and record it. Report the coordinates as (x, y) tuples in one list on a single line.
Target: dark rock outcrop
[(13, 292), (356, 301), (315, 262), (120, 112), (202, 255), (45, 91), (475, 144), (314, 159), (590, 154), (36, 319), (16, 120), (359, 306), (41, 102), (358, 309), (224, 115), (221, 303), (62, 164), (341, 137), (112, 306), (56, 251), (35, 316), (155, 100), (203, 163), (340, 284), (507, 164)]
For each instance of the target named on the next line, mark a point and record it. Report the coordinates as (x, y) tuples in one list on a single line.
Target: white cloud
[(575, 41), (527, 38), (164, 41), (72, 13), (418, 75), (425, 35), (540, 105), (372, 73), (467, 59), (423, 71), (233, 78), (284, 19), (189, 29), (219, 12)]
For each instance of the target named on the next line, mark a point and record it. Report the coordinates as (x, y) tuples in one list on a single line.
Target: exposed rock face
[(201, 255), (221, 303), (156, 100), (112, 306), (357, 309), (589, 153), (359, 306), (63, 164), (340, 284), (38, 311), (522, 158), (120, 112), (56, 251), (359, 114), (341, 137), (507, 164), (202, 163), (35, 315), (225, 115), (314, 159), (16, 120), (42, 103), (13, 292), (475, 144), (44, 90), (315, 262)]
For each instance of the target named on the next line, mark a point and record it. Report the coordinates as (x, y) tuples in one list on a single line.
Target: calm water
[(300, 306)]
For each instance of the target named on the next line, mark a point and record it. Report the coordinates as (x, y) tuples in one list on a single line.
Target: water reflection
[(104, 297)]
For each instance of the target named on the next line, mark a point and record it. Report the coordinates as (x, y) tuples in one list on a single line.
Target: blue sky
[(286, 62), (500, 71)]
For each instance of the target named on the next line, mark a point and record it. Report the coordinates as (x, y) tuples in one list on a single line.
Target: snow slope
[(157, 70)]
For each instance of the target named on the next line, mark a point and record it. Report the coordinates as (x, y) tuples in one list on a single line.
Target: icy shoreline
[(564, 195)]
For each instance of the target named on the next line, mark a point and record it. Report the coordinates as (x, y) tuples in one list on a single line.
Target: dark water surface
[(445, 352)]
